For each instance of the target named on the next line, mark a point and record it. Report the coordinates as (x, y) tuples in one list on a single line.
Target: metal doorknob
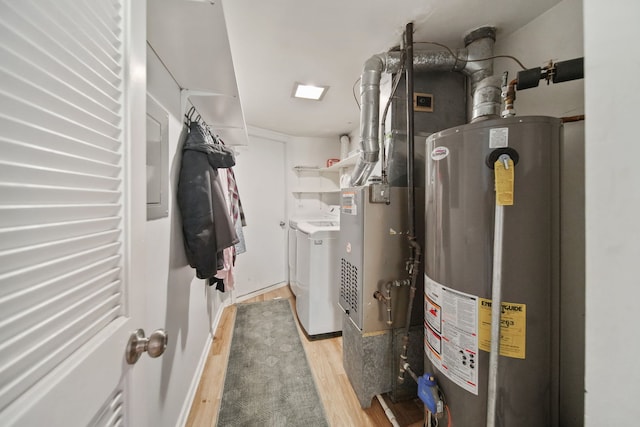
[(282, 224), (155, 345)]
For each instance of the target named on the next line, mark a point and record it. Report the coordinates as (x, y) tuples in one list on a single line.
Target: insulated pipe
[(479, 45)]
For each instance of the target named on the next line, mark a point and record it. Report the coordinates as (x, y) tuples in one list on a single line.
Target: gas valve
[(428, 393)]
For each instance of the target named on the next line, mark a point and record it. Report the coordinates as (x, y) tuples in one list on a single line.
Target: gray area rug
[(268, 381)]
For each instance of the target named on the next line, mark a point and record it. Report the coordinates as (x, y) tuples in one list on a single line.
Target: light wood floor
[(325, 358)]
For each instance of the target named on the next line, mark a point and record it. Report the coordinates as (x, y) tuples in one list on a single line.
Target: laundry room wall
[(612, 211), (177, 301)]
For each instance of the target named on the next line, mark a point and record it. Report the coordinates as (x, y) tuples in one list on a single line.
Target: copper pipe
[(510, 98), (569, 119)]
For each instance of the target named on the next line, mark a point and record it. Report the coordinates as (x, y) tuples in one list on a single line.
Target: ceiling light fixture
[(309, 91)]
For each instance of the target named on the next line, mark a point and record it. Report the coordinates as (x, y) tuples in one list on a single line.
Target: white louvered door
[(67, 226)]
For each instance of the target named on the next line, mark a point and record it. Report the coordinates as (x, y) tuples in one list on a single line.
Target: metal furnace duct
[(479, 45), (460, 202)]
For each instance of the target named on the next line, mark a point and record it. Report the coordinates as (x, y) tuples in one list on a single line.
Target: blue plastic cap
[(429, 379)]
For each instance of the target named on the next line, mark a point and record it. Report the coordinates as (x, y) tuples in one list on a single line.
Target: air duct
[(470, 60)]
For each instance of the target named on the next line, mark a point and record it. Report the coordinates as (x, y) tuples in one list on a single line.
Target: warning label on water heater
[(451, 333), (513, 328)]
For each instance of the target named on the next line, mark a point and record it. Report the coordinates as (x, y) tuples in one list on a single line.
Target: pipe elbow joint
[(377, 64)]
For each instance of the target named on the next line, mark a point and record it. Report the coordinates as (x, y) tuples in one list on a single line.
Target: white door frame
[(135, 105)]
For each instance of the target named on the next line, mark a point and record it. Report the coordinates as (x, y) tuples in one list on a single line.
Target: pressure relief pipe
[(504, 178)]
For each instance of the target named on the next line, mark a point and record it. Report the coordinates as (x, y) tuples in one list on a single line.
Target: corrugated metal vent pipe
[(484, 88)]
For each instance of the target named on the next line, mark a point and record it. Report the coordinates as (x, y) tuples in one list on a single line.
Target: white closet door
[(260, 175), (64, 216)]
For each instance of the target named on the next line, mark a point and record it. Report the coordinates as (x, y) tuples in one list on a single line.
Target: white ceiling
[(274, 43)]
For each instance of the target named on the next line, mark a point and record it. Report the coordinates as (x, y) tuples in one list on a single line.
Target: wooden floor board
[(325, 359)]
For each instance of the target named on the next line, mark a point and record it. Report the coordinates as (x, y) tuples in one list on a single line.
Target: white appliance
[(293, 284), (332, 214), (317, 289)]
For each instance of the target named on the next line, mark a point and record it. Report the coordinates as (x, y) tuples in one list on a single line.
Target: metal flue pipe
[(369, 118)]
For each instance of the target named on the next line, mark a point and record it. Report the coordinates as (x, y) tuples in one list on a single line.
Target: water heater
[(459, 225)]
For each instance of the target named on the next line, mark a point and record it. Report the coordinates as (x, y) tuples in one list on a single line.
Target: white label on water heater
[(498, 137), (451, 333), (439, 153)]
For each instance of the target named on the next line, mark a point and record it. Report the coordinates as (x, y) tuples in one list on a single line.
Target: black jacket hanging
[(206, 224)]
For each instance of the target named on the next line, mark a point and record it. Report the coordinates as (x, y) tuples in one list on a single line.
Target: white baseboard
[(195, 381), (260, 292)]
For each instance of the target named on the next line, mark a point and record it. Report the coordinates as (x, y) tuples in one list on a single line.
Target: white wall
[(555, 35), (612, 212), (177, 301)]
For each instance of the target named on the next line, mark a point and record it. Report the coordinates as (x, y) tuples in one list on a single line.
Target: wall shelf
[(199, 34), (299, 193), (344, 163), (299, 169), (312, 191)]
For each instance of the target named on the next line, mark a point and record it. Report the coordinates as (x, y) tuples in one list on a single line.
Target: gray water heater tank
[(460, 203)]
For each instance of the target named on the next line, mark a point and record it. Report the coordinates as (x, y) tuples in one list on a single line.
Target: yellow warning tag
[(504, 183)]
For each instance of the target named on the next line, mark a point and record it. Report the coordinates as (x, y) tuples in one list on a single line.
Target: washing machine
[(293, 284), (317, 290), (332, 213)]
